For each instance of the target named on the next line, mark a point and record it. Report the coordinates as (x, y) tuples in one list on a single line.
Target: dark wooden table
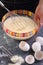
[(10, 44)]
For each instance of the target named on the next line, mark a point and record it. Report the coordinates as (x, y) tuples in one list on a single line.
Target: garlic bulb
[(29, 59), (39, 39), (36, 46), (24, 46)]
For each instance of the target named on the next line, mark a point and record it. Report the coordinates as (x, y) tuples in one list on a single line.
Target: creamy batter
[(20, 24)]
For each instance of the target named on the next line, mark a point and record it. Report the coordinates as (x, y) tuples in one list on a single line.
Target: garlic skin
[(30, 59), (36, 46), (39, 39), (39, 55), (24, 46)]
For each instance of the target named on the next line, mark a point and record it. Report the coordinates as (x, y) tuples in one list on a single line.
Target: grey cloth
[(10, 44)]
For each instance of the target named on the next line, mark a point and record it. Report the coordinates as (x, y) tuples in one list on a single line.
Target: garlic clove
[(14, 58), (14, 64), (21, 60), (29, 59), (24, 46), (39, 55), (17, 59), (36, 46), (39, 39)]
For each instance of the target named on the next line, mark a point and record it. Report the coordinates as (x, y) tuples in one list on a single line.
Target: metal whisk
[(4, 6)]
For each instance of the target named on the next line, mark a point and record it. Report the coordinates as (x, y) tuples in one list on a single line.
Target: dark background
[(18, 4)]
